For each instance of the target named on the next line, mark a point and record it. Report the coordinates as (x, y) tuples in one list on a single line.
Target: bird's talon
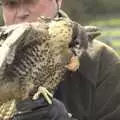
[(46, 94)]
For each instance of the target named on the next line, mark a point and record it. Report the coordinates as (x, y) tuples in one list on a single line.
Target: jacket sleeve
[(100, 91), (40, 110), (107, 99)]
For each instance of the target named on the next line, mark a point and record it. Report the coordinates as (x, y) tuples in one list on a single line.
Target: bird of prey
[(35, 56)]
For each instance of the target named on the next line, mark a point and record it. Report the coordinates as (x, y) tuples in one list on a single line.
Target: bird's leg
[(46, 94)]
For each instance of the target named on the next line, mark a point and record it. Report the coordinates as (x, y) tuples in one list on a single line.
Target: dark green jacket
[(93, 92)]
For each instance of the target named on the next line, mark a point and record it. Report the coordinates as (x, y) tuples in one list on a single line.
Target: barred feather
[(39, 60)]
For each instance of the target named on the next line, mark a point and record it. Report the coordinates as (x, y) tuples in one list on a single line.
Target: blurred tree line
[(1, 17), (86, 10)]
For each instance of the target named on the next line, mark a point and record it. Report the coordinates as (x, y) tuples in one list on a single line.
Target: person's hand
[(41, 110)]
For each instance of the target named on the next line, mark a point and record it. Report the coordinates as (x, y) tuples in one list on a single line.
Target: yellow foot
[(46, 94)]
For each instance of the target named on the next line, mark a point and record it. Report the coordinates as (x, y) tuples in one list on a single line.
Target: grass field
[(109, 22), (110, 32)]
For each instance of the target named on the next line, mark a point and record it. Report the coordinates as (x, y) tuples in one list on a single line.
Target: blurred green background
[(102, 13)]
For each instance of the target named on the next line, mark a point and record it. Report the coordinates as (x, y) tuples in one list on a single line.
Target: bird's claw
[(46, 94)]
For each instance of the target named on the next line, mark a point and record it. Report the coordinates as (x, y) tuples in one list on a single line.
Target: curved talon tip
[(45, 93)]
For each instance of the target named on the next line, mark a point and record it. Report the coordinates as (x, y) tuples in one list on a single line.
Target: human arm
[(108, 86), (41, 110), (93, 92)]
